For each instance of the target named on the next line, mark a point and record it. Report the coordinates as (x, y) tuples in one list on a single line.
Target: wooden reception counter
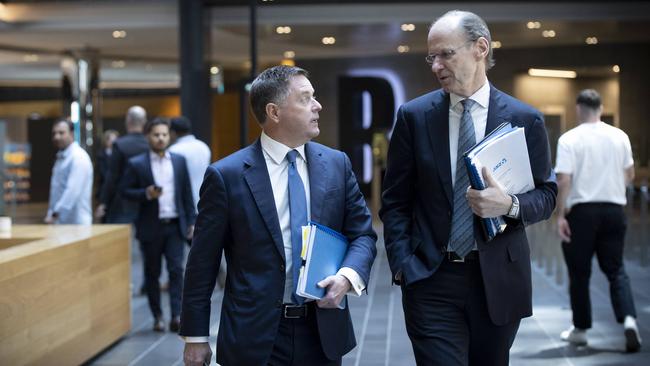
[(64, 292)]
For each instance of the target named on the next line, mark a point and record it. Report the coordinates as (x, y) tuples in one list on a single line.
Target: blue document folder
[(323, 252)]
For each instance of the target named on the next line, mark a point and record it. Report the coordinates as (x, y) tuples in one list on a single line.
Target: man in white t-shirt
[(594, 164)]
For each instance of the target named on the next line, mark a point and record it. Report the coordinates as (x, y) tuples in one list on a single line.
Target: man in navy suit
[(463, 297), (159, 182), (252, 204)]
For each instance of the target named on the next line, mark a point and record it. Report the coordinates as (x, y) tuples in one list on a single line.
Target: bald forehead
[(447, 24)]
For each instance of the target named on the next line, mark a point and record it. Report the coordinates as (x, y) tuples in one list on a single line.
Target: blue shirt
[(71, 186)]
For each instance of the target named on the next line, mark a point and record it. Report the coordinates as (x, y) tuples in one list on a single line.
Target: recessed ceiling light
[(289, 54), (568, 74), (283, 30), (591, 40), (533, 25), (616, 68), (118, 34), (118, 64), (548, 33), (328, 40), (403, 48), (496, 44), (408, 27), (214, 70), (30, 58)]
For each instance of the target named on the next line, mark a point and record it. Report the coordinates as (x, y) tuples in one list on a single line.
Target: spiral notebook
[(323, 251)]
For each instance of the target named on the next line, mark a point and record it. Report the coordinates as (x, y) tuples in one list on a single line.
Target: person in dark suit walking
[(159, 182), (103, 158), (252, 205), (112, 208), (463, 297)]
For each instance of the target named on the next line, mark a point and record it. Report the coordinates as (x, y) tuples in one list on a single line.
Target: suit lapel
[(437, 122), (497, 111), (317, 180), (148, 171), (176, 168), (257, 178)]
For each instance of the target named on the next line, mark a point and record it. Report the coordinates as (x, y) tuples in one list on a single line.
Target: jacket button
[(282, 267)]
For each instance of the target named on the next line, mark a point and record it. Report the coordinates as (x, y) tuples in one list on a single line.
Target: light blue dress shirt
[(71, 186)]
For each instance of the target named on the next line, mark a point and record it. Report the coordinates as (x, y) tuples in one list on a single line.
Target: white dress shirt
[(163, 176), (197, 156), (71, 186), (479, 113)]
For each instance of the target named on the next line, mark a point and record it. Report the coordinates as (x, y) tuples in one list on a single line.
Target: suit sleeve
[(397, 196), (357, 227), (129, 187), (205, 255), (538, 204), (112, 176)]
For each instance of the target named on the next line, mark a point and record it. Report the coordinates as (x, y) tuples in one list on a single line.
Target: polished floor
[(379, 321)]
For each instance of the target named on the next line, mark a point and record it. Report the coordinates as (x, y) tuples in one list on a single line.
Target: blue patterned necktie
[(461, 240), (298, 217)]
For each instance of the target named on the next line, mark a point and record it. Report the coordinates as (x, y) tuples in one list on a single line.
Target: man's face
[(298, 113), (458, 63), (62, 137), (158, 138)]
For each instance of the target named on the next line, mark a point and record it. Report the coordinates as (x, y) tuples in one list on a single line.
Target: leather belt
[(455, 258), (293, 311), (168, 221)]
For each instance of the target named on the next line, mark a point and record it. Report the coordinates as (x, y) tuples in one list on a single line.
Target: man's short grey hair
[(272, 86), (474, 27), (136, 116)]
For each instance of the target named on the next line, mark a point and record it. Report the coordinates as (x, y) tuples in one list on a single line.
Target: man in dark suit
[(103, 158), (158, 181), (252, 205), (463, 297), (112, 208)]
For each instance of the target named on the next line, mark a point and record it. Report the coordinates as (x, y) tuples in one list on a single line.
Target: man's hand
[(197, 354), (563, 229), (337, 286), (153, 193), (493, 201), (49, 220), (100, 211)]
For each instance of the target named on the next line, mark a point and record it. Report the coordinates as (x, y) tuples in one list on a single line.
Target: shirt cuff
[(355, 280), (195, 339)]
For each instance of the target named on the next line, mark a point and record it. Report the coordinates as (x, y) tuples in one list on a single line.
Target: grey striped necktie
[(461, 240)]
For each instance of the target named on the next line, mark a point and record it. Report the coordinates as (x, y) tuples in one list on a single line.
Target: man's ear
[(273, 112), (483, 47)]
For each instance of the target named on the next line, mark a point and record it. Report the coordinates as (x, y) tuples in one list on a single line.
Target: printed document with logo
[(505, 153), (323, 251)]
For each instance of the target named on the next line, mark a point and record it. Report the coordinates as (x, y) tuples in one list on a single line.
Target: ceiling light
[(568, 74), (548, 33), (408, 27), (289, 54), (328, 40), (288, 62), (616, 68), (118, 64), (591, 40), (533, 25), (118, 34), (403, 48), (30, 58), (214, 70), (283, 30), (496, 44)]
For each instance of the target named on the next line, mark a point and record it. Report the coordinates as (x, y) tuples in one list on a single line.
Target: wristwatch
[(514, 209)]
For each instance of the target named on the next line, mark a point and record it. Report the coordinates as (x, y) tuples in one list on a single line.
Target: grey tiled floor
[(379, 320)]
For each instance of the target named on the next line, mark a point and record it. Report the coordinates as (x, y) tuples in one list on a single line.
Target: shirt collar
[(481, 97), (153, 155), (66, 152), (277, 150)]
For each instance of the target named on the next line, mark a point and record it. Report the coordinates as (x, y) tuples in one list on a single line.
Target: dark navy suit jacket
[(138, 177), (238, 216), (417, 200)]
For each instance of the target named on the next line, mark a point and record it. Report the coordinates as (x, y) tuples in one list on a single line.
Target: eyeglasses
[(445, 55)]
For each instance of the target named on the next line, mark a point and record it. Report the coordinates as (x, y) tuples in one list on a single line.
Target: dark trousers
[(298, 343), (448, 322), (597, 228), (169, 243)]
